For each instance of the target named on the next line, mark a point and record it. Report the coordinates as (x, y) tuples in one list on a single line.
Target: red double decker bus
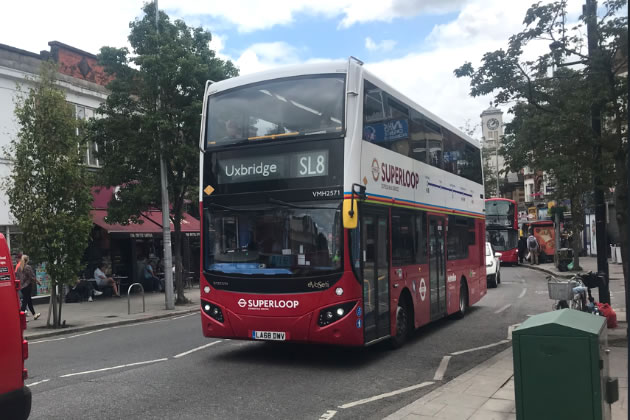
[(502, 228), (335, 210)]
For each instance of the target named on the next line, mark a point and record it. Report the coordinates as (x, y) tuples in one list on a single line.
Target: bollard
[(129, 297)]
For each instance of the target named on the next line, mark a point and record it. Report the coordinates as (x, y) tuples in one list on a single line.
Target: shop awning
[(152, 224), (147, 227), (189, 224)]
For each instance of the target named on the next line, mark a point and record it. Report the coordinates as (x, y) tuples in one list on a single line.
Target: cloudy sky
[(413, 45)]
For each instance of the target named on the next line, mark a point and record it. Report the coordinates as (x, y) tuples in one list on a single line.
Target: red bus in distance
[(502, 228)]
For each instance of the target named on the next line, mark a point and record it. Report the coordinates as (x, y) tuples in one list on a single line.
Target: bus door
[(437, 265), (375, 272)]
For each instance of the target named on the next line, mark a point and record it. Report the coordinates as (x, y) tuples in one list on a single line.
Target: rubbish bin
[(565, 257), (561, 367)]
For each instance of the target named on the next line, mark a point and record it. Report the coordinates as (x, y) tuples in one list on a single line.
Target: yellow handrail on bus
[(273, 136)]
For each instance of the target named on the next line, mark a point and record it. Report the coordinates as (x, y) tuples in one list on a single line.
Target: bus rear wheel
[(403, 329)]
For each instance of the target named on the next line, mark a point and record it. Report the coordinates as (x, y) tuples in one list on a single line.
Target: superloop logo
[(396, 175), (266, 304)]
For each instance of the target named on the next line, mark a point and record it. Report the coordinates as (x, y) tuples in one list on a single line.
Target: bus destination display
[(279, 166)]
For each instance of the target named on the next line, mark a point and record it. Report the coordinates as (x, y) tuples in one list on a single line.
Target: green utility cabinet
[(561, 367)]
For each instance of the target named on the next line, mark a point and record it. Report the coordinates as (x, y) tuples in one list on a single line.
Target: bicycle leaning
[(575, 293)]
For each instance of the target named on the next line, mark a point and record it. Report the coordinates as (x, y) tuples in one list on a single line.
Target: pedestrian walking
[(533, 248), (27, 278), (522, 248)]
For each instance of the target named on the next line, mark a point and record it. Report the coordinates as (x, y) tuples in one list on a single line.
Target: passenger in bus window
[(232, 130)]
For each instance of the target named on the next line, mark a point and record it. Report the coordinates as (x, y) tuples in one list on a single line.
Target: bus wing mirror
[(351, 208)]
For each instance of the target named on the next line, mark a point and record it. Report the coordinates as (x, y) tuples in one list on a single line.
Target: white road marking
[(522, 293), (457, 353), (510, 329), (439, 373), (196, 349), (498, 311), (328, 415), (89, 332), (184, 316), (388, 394), (114, 367), (38, 382), (46, 340)]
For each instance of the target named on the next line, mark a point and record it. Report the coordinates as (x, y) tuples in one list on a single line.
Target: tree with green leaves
[(552, 96), (154, 106), (49, 187)]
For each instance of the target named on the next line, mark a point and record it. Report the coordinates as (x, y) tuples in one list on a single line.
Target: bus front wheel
[(403, 317)]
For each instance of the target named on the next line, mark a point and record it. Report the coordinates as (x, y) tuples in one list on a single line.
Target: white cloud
[(384, 45), (251, 15), (29, 24), (263, 56), (386, 11), (218, 44)]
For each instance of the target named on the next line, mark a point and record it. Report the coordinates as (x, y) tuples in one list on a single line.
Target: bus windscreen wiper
[(297, 206), (232, 208)]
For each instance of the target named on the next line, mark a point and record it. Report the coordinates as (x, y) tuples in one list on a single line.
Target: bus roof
[(328, 67), (500, 199), (280, 72)]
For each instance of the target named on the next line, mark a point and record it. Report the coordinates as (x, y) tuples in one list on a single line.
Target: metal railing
[(129, 297)]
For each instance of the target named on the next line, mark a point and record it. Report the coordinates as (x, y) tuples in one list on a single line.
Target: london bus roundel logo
[(375, 169), (242, 303)]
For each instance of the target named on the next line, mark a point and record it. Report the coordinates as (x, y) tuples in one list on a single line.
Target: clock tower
[(492, 126), (492, 132)]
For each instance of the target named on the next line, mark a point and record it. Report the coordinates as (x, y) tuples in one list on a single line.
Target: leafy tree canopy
[(155, 106), (552, 97), (49, 188)]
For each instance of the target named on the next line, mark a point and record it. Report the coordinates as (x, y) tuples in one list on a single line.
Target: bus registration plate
[(269, 335)]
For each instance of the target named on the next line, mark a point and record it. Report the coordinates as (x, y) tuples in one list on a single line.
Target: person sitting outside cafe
[(103, 281), (149, 275), (85, 290)]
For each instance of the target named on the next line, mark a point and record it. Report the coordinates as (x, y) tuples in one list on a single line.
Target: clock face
[(493, 124)]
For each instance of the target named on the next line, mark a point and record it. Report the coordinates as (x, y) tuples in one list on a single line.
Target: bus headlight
[(213, 311), (206, 289), (334, 313), (339, 291)]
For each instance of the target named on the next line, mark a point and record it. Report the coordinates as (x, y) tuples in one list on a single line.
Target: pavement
[(108, 312), (615, 271), (486, 392)]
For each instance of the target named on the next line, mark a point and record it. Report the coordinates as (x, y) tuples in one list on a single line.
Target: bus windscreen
[(274, 241), (291, 107), (500, 213)]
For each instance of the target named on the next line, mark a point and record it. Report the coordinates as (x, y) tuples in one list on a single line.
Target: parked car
[(15, 397), (493, 267)]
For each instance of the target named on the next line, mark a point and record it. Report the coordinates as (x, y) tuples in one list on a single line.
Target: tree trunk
[(61, 296), (181, 299), (50, 310), (53, 297)]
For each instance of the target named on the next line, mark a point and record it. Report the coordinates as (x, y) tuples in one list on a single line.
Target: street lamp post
[(166, 222), (590, 12)]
